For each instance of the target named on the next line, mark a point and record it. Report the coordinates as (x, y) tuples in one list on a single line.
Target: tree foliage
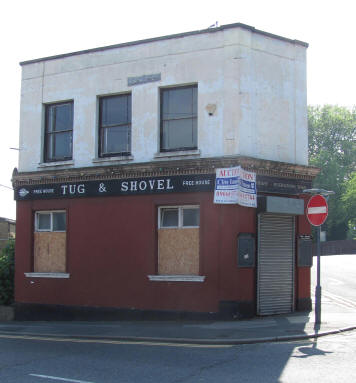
[(332, 148), (7, 268), (349, 200)]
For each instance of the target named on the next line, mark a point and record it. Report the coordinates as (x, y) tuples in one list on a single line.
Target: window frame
[(49, 136), (180, 208), (190, 117), (101, 128), (38, 230)]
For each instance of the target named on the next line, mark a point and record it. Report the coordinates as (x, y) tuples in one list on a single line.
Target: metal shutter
[(275, 274)]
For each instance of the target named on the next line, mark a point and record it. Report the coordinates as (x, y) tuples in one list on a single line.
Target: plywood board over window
[(178, 240), (178, 251), (50, 242), (49, 252)]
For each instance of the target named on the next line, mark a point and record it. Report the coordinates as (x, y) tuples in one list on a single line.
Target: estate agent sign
[(235, 186)]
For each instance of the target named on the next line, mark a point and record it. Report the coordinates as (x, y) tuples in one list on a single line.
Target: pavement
[(287, 327)]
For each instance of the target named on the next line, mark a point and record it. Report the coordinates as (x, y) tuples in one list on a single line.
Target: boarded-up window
[(50, 242), (178, 240)]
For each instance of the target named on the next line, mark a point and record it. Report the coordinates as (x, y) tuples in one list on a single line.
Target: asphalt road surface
[(330, 359), (338, 280)]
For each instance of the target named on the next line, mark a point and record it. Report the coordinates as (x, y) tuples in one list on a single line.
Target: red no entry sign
[(317, 210)]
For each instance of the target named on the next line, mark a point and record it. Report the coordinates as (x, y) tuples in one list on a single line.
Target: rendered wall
[(257, 82), (303, 273), (112, 248)]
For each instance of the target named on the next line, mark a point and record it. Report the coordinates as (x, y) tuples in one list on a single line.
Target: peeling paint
[(258, 84)]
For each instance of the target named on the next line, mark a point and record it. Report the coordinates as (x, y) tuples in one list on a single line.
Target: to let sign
[(317, 210)]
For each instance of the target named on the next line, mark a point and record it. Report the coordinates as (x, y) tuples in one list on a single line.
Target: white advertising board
[(235, 186)]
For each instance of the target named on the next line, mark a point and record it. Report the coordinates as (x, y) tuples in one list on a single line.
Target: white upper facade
[(249, 88)]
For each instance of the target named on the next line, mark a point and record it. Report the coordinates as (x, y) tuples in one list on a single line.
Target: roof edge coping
[(166, 37)]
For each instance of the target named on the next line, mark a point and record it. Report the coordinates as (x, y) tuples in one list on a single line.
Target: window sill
[(179, 153), (176, 278), (47, 275), (112, 159), (54, 164)]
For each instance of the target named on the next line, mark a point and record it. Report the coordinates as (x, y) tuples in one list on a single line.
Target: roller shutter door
[(275, 273)]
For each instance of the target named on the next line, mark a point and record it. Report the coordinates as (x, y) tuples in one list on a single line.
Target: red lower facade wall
[(112, 249), (302, 283)]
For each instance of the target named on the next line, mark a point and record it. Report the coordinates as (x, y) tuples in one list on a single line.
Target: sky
[(31, 29)]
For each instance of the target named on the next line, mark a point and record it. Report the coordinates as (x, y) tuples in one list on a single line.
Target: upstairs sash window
[(115, 125), (179, 118), (59, 132)]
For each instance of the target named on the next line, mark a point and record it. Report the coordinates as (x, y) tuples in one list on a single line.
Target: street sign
[(317, 210)]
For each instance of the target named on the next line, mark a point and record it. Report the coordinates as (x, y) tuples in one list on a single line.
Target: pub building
[(164, 178)]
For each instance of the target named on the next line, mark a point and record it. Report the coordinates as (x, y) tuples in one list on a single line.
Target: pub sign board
[(148, 185), (121, 187)]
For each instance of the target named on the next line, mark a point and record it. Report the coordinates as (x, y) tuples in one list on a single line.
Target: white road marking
[(337, 299), (335, 281), (58, 378)]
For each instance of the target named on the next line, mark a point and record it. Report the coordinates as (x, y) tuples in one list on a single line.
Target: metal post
[(318, 287), (324, 193)]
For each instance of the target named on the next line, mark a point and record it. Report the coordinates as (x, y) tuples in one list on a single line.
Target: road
[(338, 281), (328, 359)]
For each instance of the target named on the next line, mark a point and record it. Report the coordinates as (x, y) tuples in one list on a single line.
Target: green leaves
[(7, 268), (349, 201), (332, 148)]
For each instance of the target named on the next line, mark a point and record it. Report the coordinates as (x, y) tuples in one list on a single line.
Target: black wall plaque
[(305, 252), (246, 250)]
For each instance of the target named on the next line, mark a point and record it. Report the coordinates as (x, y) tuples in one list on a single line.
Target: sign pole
[(318, 287), (317, 212)]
